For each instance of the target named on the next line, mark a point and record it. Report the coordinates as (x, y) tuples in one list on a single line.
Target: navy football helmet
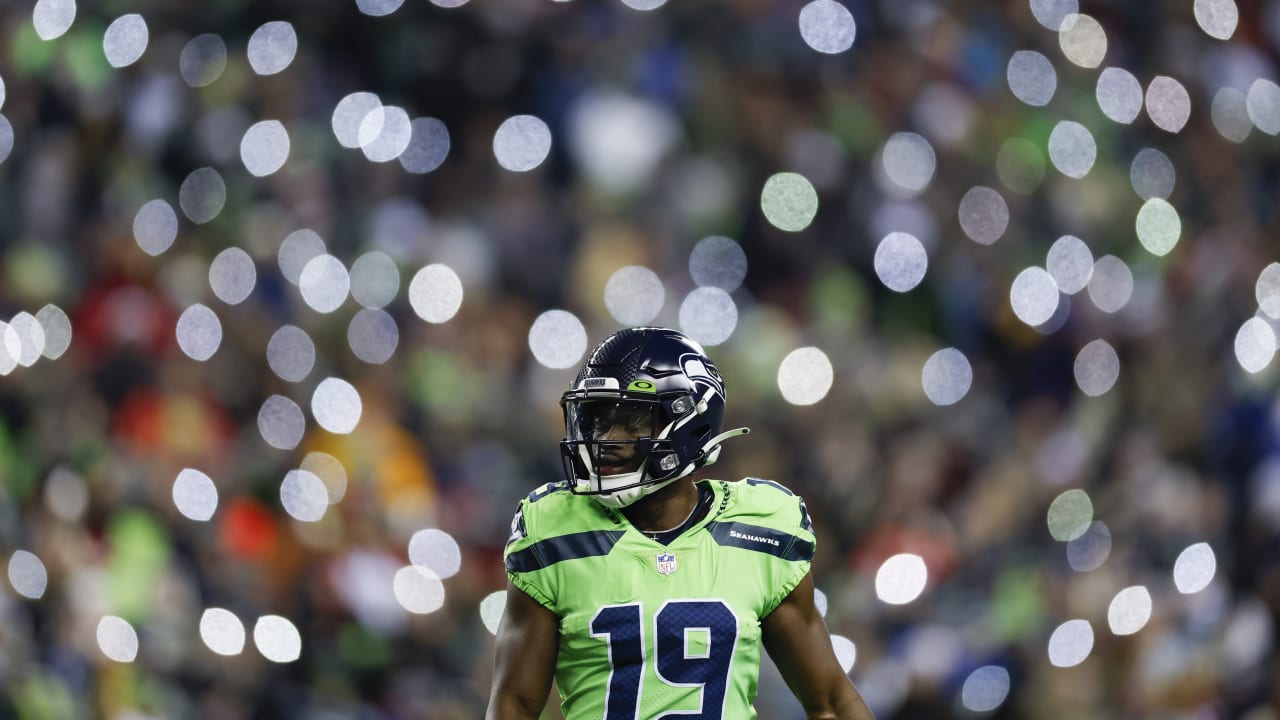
[(646, 409)]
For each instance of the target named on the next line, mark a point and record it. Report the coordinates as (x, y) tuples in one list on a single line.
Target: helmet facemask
[(620, 448), (615, 441)]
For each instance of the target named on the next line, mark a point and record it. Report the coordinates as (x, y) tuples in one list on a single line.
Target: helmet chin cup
[(630, 495)]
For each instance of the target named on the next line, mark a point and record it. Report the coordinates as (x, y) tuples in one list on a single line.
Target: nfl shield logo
[(666, 563)]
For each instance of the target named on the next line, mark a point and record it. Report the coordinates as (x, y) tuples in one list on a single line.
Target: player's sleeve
[(796, 557), (523, 561)]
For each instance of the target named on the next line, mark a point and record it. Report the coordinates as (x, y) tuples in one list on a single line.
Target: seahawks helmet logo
[(700, 372)]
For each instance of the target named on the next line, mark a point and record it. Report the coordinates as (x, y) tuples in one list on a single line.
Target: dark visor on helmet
[(611, 419)]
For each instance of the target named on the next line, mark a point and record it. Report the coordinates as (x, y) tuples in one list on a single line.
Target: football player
[(647, 593)]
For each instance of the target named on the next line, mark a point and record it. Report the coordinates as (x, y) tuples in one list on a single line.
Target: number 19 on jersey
[(695, 641)]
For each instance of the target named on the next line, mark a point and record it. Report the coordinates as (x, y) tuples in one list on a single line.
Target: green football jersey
[(650, 630)]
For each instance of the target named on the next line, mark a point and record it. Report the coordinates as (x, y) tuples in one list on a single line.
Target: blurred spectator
[(952, 558)]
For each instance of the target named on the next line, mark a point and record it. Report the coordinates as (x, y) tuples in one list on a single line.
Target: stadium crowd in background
[(666, 125)]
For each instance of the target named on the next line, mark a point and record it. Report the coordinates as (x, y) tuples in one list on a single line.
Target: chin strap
[(710, 453), (712, 448), (622, 498), (715, 441)]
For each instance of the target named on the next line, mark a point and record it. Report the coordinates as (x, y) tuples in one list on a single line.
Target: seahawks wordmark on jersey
[(646, 628)]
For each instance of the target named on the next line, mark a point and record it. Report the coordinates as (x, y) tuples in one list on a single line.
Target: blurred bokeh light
[(289, 292)]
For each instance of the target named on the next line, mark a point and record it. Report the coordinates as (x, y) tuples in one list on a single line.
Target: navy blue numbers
[(547, 489), (711, 625), (695, 645), (620, 625)]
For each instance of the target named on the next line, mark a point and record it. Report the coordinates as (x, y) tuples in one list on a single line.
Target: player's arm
[(800, 645), (525, 658)]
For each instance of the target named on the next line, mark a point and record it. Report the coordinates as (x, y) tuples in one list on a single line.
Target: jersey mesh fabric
[(636, 641)]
